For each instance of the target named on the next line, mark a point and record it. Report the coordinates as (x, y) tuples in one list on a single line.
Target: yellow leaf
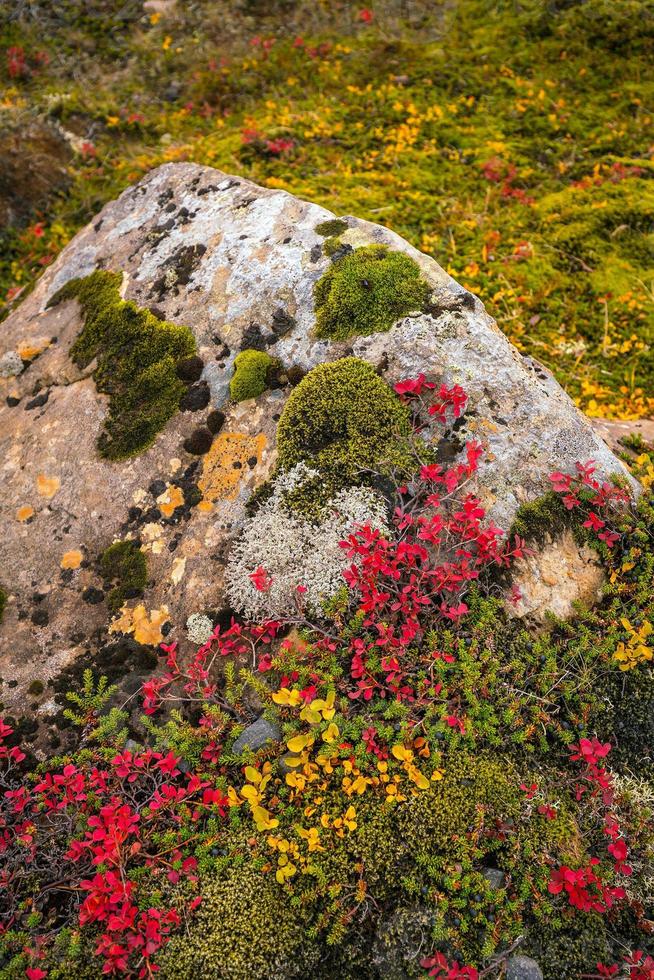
[(252, 774), (250, 792), (401, 753), (299, 742), (332, 733)]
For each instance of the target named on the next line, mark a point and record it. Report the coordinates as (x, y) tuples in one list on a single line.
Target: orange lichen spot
[(72, 559), (30, 349), (205, 506), (170, 500), (220, 476), (24, 513), (47, 486), (145, 626)]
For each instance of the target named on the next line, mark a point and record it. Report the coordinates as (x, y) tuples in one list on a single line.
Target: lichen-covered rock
[(523, 968), (261, 732), (233, 267)]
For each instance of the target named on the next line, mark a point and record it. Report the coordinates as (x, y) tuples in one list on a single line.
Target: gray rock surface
[(523, 968), (231, 261), (256, 735)]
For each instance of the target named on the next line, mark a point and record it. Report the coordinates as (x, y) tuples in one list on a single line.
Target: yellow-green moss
[(124, 565), (252, 374), (245, 929), (366, 292), (136, 354), (335, 226), (3, 602), (344, 421)]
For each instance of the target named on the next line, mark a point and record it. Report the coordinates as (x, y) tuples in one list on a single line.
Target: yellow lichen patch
[(145, 627), (47, 486), (205, 506), (24, 513), (72, 559), (31, 349), (220, 477), (170, 500), (178, 569)]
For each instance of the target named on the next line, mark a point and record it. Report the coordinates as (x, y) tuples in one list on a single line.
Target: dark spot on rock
[(38, 597), (295, 374), (237, 465), (67, 575), (134, 513), (209, 189), (39, 401), (190, 368), (199, 442), (156, 488), (172, 545), (155, 311), (252, 462), (92, 595), (254, 339), (316, 253), (12, 402), (98, 225), (285, 241), (192, 495), (170, 207), (215, 421), (166, 628), (40, 617), (197, 397), (244, 203), (383, 364), (282, 322)]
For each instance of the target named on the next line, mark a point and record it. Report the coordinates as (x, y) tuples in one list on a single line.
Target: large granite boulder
[(237, 265)]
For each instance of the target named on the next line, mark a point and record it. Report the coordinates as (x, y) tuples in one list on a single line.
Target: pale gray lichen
[(295, 551), (11, 364), (199, 628)]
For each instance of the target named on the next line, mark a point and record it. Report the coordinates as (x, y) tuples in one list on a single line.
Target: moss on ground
[(525, 171), (253, 370), (137, 356), (124, 567), (346, 422), (366, 291), (3, 602)]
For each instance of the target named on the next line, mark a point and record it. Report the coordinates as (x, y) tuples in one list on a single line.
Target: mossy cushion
[(136, 354), (366, 291)]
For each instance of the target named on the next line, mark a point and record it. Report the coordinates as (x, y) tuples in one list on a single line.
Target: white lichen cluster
[(199, 628), (297, 552)]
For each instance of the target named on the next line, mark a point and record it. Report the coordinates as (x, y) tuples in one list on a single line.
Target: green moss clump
[(335, 226), (252, 374), (3, 602), (245, 929), (344, 420), (124, 565), (366, 292), (543, 517), (136, 354)]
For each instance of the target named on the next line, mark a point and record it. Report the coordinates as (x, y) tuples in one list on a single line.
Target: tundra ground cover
[(512, 141), (443, 785)]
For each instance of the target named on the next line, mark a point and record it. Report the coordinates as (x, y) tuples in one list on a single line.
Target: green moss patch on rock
[(367, 291), (137, 356), (335, 226), (253, 370), (125, 567), (346, 422)]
